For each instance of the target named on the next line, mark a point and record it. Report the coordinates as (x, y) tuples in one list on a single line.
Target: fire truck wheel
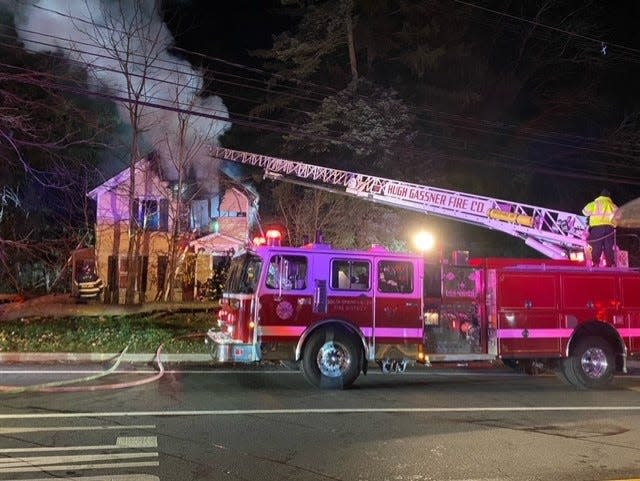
[(565, 374), (591, 364), (331, 359)]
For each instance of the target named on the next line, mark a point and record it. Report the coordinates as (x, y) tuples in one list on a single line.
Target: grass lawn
[(178, 332)]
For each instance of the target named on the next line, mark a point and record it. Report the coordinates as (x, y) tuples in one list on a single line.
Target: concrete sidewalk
[(71, 357)]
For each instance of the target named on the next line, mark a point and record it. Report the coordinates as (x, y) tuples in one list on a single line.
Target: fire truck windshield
[(244, 273)]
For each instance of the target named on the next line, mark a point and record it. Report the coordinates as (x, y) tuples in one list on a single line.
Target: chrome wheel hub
[(594, 363), (333, 359)]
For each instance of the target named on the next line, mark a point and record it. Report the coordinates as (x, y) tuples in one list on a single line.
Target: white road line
[(137, 442), (10, 464), (24, 429), (108, 477), (122, 442), (77, 467), (242, 412)]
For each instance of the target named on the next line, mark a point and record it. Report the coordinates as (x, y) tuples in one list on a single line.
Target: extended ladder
[(553, 233)]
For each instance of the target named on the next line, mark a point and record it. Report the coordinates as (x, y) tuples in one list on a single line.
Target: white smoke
[(126, 41)]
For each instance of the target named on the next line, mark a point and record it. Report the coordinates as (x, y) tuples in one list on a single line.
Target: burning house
[(203, 227), (176, 197)]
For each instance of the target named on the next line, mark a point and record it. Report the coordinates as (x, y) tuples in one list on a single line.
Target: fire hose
[(65, 386)]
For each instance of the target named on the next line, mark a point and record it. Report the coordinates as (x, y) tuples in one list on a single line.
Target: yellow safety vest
[(600, 211)]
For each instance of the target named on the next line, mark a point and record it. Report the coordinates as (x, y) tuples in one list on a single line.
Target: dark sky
[(228, 29)]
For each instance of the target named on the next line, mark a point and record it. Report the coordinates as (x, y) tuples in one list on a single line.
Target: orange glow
[(259, 241), (273, 234), (273, 237)]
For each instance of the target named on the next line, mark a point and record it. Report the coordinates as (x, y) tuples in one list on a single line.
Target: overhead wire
[(471, 128), (450, 117)]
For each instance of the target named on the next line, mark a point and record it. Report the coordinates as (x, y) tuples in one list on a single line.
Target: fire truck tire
[(564, 373), (591, 364), (331, 359)]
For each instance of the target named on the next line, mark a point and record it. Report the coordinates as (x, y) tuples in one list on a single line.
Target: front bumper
[(223, 348)]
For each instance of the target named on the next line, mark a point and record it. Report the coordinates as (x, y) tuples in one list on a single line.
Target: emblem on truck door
[(284, 310)]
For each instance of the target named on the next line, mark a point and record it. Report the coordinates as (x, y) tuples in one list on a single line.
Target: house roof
[(217, 243), (115, 181), (123, 176)]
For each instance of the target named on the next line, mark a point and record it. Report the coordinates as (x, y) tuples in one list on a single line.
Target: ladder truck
[(333, 313)]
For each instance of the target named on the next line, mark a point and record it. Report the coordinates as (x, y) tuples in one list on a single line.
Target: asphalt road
[(204, 423)]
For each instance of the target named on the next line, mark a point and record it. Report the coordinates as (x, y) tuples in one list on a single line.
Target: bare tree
[(185, 147), (126, 52)]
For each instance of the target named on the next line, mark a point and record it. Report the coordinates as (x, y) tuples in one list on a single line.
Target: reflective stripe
[(533, 333), (629, 332), (282, 331), (557, 333), (600, 211), (295, 331), (393, 332)]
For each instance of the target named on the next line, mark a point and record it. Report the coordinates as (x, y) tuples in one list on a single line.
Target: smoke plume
[(124, 45)]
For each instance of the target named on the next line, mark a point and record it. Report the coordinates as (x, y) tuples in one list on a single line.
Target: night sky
[(569, 152), (534, 102)]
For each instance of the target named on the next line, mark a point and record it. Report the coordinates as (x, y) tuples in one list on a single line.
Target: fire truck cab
[(330, 310)]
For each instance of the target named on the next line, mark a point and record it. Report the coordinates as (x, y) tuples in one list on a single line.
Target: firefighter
[(601, 228)]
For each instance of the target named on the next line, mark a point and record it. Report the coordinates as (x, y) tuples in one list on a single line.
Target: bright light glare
[(425, 241)]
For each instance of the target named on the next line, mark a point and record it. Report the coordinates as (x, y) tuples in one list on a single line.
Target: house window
[(152, 214), (123, 272)]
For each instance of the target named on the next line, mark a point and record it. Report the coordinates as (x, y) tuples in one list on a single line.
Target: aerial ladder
[(553, 233)]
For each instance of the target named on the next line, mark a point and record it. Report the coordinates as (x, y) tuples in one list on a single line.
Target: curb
[(71, 357)]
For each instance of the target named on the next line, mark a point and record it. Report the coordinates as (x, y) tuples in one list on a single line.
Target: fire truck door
[(398, 302), (286, 299), (631, 307), (528, 314)]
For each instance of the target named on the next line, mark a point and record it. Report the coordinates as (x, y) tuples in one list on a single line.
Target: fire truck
[(333, 313)]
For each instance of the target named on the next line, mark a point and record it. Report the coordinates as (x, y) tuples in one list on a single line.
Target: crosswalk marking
[(42, 429), (108, 477), (34, 461), (81, 467), (126, 453)]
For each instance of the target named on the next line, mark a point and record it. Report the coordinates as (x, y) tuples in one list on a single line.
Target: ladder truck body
[(333, 313)]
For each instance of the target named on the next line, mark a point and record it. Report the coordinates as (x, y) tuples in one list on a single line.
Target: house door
[(111, 289)]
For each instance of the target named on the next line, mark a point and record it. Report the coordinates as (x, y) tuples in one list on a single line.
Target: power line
[(284, 124)]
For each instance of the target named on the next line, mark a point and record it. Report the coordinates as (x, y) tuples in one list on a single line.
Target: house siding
[(112, 234)]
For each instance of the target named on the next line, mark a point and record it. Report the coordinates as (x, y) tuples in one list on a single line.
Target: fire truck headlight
[(252, 325), (230, 329)]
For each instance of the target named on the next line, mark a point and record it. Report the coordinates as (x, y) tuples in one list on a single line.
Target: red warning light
[(273, 237), (259, 241)]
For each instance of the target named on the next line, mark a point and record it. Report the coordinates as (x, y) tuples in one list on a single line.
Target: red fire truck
[(334, 312)]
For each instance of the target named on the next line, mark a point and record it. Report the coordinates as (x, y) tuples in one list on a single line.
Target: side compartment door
[(528, 314), (398, 302), (590, 297), (631, 309)]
